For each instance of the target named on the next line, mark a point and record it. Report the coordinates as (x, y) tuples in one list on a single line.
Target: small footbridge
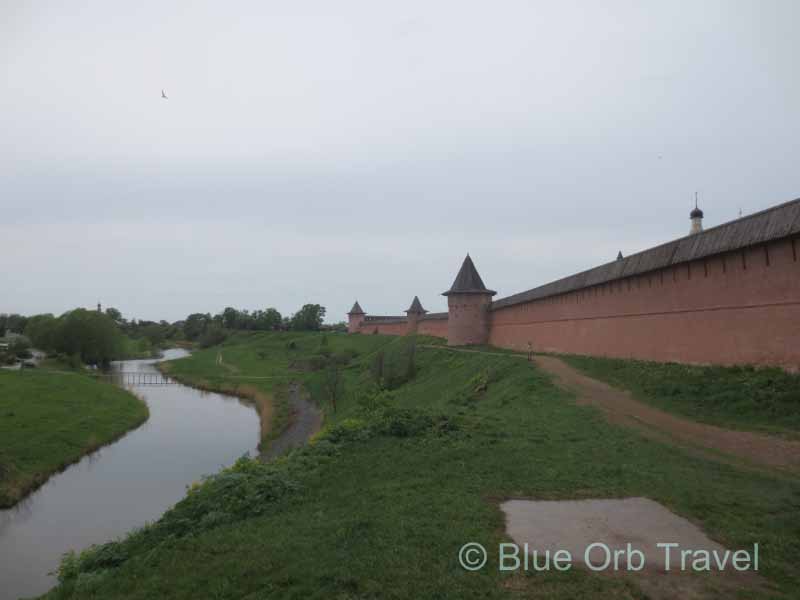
[(135, 378)]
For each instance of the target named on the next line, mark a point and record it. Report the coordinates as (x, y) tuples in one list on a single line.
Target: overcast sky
[(328, 151)]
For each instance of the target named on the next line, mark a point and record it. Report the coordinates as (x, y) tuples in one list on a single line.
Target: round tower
[(697, 218), (468, 302), (354, 318), (414, 312)]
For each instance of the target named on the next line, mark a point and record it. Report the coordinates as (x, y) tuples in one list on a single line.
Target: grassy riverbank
[(734, 397), (259, 367), (379, 505), (49, 420)]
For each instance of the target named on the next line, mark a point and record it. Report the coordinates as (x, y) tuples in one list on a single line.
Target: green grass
[(379, 505), (49, 420), (259, 366), (748, 398)]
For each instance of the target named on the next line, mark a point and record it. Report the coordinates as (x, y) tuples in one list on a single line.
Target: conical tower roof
[(468, 281), (416, 307), (356, 310)]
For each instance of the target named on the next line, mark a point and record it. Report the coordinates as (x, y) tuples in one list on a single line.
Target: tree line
[(95, 337)]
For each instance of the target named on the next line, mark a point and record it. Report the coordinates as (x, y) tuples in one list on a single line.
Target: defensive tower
[(414, 312), (354, 318), (468, 301)]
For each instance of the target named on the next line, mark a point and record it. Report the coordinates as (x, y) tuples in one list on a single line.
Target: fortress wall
[(384, 327), (468, 321), (739, 307), (435, 327)]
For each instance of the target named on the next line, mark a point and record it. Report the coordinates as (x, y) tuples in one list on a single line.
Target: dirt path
[(620, 407), (305, 421)]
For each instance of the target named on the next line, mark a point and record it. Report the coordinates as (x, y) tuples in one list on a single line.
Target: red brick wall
[(435, 327), (468, 321), (741, 307), (398, 328), (354, 322), (412, 324)]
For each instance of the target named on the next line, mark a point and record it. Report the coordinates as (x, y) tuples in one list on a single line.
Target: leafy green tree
[(230, 318), (114, 315), (213, 335), (21, 347), (91, 335), (195, 325), (41, 330), (15, 323), (267, 320), (308, 318), (155, 333)]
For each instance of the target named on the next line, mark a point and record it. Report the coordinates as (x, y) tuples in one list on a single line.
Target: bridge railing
[(135, 378)]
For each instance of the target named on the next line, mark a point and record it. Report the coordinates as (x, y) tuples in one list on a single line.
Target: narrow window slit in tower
[(794, 250), (705, 267), (724, 264), (766, 254), (688, 270), (744, 261)]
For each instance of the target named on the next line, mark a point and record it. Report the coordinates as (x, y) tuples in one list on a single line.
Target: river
[(126, 484)]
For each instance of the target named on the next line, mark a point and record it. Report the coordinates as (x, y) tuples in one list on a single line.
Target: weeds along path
[(622, 408)]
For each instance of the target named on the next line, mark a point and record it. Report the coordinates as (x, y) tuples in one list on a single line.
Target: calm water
[(122, 486)]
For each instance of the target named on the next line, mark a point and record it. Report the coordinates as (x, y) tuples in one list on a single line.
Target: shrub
[(348, 430), (408, 422), (74, 361), (397, 366), (377, 367), (317, 362), (20, 347), (474, 389), (374, 400), (213, 336)]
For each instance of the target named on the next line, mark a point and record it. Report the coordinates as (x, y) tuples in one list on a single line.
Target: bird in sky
[(164, 95)]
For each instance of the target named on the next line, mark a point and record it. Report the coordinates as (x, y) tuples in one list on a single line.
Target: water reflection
[(120, 487)]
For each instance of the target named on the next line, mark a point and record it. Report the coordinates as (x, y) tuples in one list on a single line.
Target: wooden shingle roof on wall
[(356, 310), (416, 307), (434, 316), (768, 225), (384, 319), (468, 281)]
